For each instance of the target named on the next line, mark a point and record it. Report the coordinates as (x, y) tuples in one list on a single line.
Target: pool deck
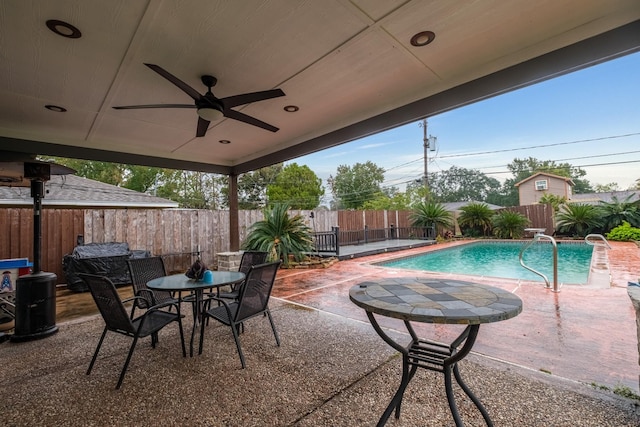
[(385, 246), (585, 334)]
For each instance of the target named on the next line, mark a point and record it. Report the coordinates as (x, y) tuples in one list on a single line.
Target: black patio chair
[(142, 270), (252, 301), (117, 319), (249, 259)]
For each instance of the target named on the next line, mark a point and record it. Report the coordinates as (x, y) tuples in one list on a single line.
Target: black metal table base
[(433, 356)]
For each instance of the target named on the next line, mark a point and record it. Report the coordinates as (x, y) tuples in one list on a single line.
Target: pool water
[(501, 259)]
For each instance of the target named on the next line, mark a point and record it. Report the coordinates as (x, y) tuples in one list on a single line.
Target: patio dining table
[(442, 301), (181, 283)]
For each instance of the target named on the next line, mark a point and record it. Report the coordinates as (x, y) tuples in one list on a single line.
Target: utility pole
[(425, 178), (428, 142)]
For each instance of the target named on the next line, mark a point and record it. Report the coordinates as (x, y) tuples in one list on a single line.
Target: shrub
[(475, 218), (280, 235), (578, 219), (624, 233), (509, 225), (426, 214)]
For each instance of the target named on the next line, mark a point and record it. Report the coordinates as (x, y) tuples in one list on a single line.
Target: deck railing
[(330, 241)]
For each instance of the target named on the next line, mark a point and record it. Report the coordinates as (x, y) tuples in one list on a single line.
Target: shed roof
[(550, 175), (75, 191)]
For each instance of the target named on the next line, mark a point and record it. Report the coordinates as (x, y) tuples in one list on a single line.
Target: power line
[(540, 146)]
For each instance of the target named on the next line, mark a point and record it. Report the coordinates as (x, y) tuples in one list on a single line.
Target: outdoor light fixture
[(422, 38), (56, 108), (63, 29), (210, 114)]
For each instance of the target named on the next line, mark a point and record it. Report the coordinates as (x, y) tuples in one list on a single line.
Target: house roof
[(550, 175), (75, 191), (348, 69), (595, 198), (455, 206)]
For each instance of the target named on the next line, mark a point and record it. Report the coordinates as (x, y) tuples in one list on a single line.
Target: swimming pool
[(500, 259)]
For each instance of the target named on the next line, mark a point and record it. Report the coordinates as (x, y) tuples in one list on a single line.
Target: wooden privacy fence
[(173, 233), (177, 233), (540, 216)]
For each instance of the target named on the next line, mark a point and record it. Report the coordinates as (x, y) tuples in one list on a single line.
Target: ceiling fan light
[(210, 114)]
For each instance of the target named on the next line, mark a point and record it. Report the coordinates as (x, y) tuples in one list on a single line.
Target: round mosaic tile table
[(434, 301)]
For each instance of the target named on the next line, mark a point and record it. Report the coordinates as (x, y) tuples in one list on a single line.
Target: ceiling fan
[(209, 107)]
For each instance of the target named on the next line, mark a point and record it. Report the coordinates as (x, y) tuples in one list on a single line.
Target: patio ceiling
[(348, 65)]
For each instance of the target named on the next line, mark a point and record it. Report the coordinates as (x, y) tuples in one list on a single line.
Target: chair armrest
[(137, 297), (224, 302), (163, 305)]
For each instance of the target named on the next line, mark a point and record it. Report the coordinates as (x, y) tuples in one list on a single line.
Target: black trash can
[(35, 306)]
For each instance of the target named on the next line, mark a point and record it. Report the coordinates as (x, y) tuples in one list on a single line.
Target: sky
[(589, 118)]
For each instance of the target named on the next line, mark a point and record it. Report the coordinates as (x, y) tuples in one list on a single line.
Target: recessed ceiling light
[(422, 38), (224, 141), (63, 29), (291, 108), (55, 108)]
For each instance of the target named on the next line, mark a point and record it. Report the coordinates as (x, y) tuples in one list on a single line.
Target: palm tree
[(578, 219), (615, 212), (476, 217), (509, 225), (427, 214), (280, 235)]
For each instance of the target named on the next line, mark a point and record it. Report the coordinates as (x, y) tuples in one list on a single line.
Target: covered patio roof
[(348, 68)]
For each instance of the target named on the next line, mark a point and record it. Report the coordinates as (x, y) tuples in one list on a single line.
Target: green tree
[(354, 185), (429, 213), (509, 225), (280, 235), (196, 190), (398, 201), (606, 188), (475, 219), (144, 179), (109, 173), (252, 186), (461, 185), (298, 186), (578, 219)]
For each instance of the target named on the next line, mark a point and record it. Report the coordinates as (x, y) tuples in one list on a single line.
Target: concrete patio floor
[(333, 370)]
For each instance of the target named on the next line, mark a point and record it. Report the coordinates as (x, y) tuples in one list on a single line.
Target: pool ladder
[(600, 261), (539, 235)]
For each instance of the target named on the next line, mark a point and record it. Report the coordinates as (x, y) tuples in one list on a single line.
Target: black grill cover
[(106, 259)]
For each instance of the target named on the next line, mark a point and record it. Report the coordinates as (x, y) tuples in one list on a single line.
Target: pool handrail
[(541, 236), (604, 242)]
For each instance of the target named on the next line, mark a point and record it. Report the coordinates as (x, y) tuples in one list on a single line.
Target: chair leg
[(184, 350), (202, 322), (95, 353), (126, 363), (237, 339), (273, 327)]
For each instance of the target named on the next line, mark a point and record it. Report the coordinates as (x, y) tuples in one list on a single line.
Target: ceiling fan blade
[(236, 115), (176, 81), (246, 98), (137, 107), (203, 125)]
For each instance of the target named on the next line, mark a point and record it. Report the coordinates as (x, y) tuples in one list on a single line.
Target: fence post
[(337, 238), (392, 231), (366, 234)]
